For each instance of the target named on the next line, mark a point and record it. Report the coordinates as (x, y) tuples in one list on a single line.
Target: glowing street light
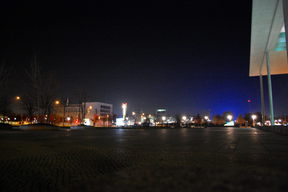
[(124, 110), (254, 117), (18, 98), (229, 117), (206, 118), (163, 118), (57, 102), (184, 118)]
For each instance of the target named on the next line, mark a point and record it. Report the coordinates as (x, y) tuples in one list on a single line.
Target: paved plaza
[(210, 159)]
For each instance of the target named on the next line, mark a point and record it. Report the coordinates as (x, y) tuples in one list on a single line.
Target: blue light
[(281, 45)]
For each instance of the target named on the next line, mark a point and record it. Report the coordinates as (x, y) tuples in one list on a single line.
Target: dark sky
[(186, 56)]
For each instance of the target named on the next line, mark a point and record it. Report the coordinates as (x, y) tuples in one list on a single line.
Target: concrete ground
[(211, 159)]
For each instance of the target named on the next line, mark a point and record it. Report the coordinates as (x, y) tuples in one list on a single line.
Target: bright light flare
[(254, 117), (229, 117)]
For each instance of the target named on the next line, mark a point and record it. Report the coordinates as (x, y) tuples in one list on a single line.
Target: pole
[(262, 99), (64, 113), (270, 88)]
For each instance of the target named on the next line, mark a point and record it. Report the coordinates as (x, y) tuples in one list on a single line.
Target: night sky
[(185, 56)]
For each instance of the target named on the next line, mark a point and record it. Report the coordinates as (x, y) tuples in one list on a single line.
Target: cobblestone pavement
[(211, 159)]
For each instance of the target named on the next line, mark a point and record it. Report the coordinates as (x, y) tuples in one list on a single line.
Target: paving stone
[(211, 159)]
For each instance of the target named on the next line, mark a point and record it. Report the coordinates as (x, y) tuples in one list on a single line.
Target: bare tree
[(41, 93), (4, 98), (4, 74), (82, 100), (29, 105)]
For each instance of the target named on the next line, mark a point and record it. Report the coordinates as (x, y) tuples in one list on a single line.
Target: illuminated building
[(268, 44), (96, 114), (160, 113)]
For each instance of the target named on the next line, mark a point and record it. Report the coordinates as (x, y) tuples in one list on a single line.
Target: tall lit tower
[(124, 110)]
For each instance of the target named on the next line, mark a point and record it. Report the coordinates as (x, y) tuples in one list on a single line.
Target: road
[(211, 159)]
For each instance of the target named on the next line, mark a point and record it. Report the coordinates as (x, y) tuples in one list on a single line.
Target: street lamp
[(124, 110), (184, 118), (18, 100), (229, 117), (57, 102), (254, 117), (107, 120), (206, 118)]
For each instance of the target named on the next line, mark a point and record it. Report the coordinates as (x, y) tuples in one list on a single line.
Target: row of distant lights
[(2, 119), (230, 117), (184, 118)]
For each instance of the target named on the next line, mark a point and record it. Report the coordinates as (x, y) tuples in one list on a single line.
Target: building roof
[(268, 33)]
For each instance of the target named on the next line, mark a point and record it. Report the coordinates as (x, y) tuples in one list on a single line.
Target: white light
[(254, 117), (133, 113), (68, 118), (229, 117), (124, 105), (119, 122), (184, 118), (87, 121), (163, 118), (124, 110), (206, 117)]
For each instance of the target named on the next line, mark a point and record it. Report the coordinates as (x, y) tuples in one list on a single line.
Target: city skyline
[(189, 60)]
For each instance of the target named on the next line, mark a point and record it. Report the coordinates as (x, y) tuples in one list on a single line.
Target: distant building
[(90, 113), (160, 113)]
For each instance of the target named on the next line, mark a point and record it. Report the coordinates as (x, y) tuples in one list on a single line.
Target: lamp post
[(163, 119), (57, 102), (254, 117), (18, 99), (229, 117), (124, 110)]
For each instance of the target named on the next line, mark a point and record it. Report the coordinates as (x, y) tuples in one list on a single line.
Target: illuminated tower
[(124, 110)]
